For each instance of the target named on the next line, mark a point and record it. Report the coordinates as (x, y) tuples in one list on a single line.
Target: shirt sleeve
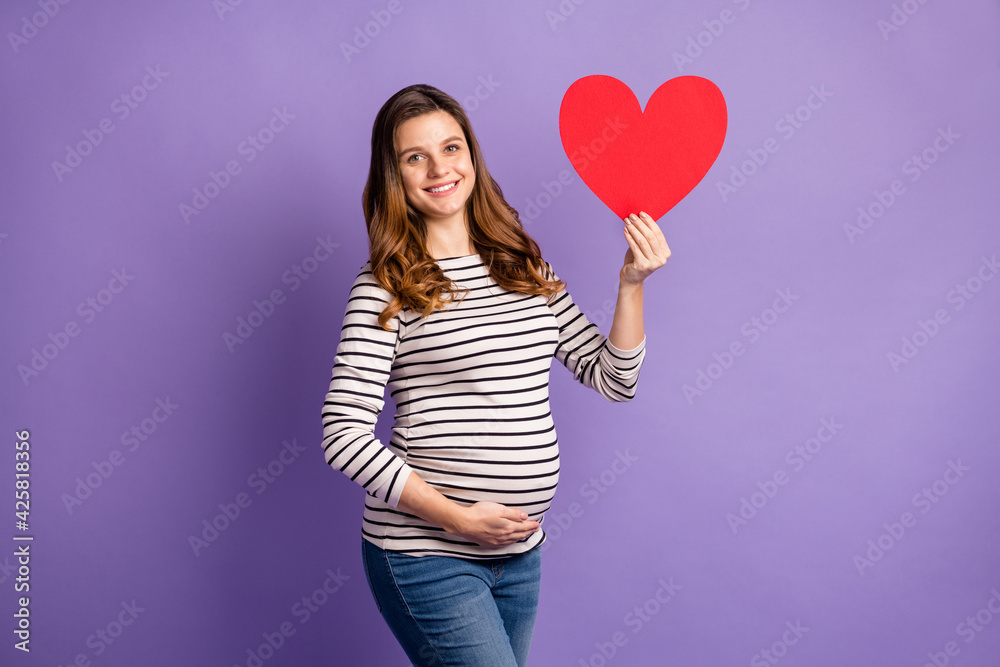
[(590, 356), (361, 370)]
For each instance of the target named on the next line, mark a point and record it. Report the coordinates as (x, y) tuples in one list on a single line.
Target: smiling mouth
[(443, 188)]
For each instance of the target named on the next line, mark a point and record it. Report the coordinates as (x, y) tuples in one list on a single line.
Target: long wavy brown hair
[(400, 261)]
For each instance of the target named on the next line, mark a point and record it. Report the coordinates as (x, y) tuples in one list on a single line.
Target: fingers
[(513, 514), (524, 531), (653, 234), (633, 245), (649, 243), (659, 244), (636, 233), (506, 539), (501, 525), (520, 530), (515, 536), (522, 524), (520, 518)]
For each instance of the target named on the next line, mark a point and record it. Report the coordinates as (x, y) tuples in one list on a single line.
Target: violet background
[(665, 516)]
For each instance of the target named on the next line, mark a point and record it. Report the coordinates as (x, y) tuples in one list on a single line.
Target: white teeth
[(443, 188)]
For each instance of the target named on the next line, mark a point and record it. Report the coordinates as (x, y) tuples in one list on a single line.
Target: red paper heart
[(642, 161)]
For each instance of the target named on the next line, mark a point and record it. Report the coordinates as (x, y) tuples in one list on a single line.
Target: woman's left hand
[(647, 249)]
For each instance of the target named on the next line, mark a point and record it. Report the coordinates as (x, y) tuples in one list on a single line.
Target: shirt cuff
[(626, 355)]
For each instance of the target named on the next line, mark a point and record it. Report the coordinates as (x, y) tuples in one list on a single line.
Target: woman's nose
[(436, 167)]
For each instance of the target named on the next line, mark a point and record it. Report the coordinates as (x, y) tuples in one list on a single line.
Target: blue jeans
[(457, 611)]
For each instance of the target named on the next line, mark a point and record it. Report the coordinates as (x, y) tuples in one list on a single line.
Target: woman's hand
[(486, 524), (647, 249), (494, 525)]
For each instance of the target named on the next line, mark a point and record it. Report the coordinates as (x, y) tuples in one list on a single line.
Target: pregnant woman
[(459, 315)]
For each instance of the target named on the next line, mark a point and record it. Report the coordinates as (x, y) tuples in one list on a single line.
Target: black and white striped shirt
[(472, 417)]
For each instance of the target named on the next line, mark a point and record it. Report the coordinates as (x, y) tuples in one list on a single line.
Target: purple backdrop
[(808, 475)]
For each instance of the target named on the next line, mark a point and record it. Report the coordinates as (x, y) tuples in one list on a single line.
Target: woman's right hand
[(494, 525)]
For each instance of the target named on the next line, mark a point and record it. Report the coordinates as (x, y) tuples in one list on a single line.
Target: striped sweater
[(470, 384)]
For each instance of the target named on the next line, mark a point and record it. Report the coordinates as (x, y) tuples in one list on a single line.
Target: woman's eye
[(450, 147), (412, 158)]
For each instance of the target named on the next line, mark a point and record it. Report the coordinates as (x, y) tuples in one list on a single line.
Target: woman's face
[(436, 165)]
